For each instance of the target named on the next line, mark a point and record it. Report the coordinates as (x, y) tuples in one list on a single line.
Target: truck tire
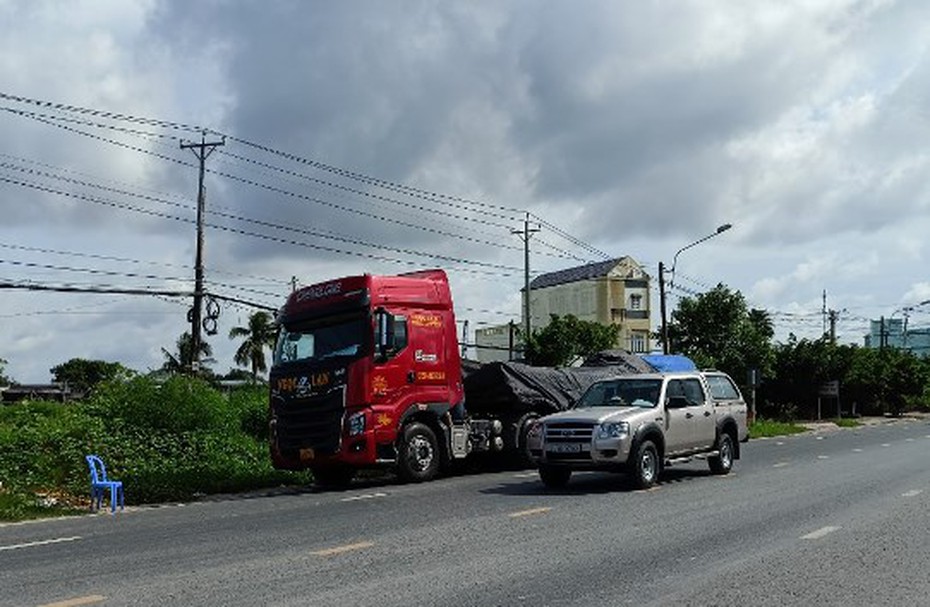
[(418, 456), (332, 477), (554, 478), (722, 463), (645, 466)]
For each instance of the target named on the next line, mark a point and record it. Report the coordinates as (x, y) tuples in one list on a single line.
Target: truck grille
[(311, 422)]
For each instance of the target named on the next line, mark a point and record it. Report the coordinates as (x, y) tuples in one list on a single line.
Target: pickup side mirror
[(677, 402)]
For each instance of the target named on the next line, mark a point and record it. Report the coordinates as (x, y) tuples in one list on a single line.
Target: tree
[(181, 360), (259, 334), (83, 375), (567, 338), (4, 380), (718, 331)]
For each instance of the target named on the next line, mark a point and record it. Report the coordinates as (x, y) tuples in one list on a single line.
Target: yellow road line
[(529, 512), (81, 600), (342, 549)]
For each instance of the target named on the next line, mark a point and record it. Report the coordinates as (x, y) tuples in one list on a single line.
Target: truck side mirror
[(385, 332)]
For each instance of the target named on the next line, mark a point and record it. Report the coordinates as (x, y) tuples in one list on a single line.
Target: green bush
[(170, 440)]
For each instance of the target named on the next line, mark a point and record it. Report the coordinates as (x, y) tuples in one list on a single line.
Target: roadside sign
[(829, 388)]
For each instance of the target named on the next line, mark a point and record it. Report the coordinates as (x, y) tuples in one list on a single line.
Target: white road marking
[(525, 475), (912, 493), (780, 465), (366, 496), (819, 438), (90, 599), (529, 512), (823, 457), (816, 535), (779, 443), (857, 450), (908, 440), (56, 540), (886, 444), (342, 549)]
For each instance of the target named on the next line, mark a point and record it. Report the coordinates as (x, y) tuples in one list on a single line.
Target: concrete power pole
[(525, 235), (202, 151)]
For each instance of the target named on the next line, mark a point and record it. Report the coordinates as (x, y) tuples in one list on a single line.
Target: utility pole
[(662, 307), (202, 151), (833, 317), (525, 235)]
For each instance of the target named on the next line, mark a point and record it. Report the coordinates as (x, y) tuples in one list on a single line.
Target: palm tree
[(180, 362), (259, 334)]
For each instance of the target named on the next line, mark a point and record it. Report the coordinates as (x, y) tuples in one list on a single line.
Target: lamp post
[(720, 230)]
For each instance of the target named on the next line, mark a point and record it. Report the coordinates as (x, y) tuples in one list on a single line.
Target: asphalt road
[(835, 518)]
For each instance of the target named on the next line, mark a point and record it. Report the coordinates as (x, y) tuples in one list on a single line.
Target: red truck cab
[(359, 361)]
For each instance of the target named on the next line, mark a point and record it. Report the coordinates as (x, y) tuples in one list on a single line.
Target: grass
[(843, 422), (766, 428)]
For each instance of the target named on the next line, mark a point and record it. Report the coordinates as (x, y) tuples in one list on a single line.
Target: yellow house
[(608, 292)]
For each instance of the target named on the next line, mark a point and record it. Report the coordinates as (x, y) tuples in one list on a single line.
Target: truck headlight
[(356, 423), (613, 430)]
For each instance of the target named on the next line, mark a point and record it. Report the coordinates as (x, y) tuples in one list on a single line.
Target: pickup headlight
[(356, 423), (535, 431), (613, 430)]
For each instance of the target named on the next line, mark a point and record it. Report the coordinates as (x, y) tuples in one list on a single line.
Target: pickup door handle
[(689, 415), (707, 414), (411, 377)]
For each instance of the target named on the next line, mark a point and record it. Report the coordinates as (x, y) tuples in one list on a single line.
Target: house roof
[(586, 272)]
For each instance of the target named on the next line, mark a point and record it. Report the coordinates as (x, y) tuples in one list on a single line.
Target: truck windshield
[(622, 392), (321, 340)]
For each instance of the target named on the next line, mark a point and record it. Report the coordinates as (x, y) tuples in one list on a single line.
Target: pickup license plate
[(564, 448)]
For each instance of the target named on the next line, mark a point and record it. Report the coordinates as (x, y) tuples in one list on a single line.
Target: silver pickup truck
[(639, 424)]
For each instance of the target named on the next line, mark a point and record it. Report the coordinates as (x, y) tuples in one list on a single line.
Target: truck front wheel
[(645, 465), (554, 478), (418, 459), (723, 461)]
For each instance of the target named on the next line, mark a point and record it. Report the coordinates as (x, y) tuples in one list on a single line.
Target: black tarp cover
[(509, 388)]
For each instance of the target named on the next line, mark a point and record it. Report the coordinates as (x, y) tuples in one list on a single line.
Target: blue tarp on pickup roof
[(670, 362)]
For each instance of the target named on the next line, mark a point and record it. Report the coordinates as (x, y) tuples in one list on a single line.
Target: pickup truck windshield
[(623, 392), (318, 341)]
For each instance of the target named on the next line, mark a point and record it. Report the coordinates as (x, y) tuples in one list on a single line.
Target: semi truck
[(367, 373)]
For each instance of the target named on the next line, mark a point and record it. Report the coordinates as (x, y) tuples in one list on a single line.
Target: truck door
[(701, 406), (392, 378)]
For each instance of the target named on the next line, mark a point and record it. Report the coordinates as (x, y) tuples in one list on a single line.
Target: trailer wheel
[(332, 477), (554, 478), (418, 455), (645, 466), (722, 463)]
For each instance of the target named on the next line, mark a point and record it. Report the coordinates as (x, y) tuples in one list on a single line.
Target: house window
[(636, 302), (637, 342)]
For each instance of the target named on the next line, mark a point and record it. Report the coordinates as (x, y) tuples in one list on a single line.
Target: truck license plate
[(564, 448)]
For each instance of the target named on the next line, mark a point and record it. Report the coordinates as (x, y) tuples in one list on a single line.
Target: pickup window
[(722, 388), (685, 390)]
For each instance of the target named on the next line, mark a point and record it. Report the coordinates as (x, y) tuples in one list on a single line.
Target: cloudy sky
[(384, 136)]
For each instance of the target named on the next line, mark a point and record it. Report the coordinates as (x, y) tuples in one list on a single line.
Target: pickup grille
[(569, 432)]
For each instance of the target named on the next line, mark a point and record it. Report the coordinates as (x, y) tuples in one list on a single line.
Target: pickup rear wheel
[(418, 455), (723, 462), (645, 465), (554, 478)]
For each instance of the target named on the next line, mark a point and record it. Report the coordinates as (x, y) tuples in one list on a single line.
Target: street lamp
[(720, 230)]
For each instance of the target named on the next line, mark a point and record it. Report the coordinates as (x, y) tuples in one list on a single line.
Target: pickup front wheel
[(723, 461), (645, 465)]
